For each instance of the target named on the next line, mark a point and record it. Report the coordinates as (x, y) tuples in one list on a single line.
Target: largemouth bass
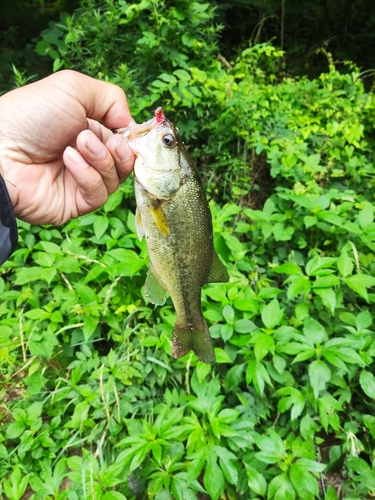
[(174, 216)]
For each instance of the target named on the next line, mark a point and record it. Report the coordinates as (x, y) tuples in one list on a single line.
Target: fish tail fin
[(193, 337)]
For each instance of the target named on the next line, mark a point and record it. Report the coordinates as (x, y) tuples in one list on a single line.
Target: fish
[(173, 215)]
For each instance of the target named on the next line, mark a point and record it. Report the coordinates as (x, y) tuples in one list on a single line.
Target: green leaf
[(15, 429), (314, 331), (345, 264), (256, 481), (302, 480), (29, 274), (244, 326), (272, 314), (222, 356), (320, 375), (227, 466), (15, 486), (228, 313), (100, 225), (263, 344), (308, 427), (316, 264), (89, 326), (294, 399), (113, 495), (363, 320), (359, 283), (366, 216), (280, 488), (297, 285), (326, 281), (288, 268), (43, 344), (37, 313), (328, 297), (213, 478), (367, 381)]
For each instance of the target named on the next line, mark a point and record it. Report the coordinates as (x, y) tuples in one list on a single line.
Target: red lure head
[(159, 115)]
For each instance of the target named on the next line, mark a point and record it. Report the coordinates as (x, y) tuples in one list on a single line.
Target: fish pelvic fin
[(193, 337), (154, 290), (218, 273)]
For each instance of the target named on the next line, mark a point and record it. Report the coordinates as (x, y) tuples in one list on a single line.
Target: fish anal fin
[(154, 290), (159, 218), (138, 224), (193, 337), (218, 273)]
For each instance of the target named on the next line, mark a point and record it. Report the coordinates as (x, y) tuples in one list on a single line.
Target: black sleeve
[(8, 226)]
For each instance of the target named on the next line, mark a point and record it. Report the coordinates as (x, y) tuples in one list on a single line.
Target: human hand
[(57, 160)]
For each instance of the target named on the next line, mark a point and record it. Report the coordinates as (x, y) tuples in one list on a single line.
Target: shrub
[(93, 404)]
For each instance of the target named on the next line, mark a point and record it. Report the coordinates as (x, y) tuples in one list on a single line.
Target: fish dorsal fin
[(159, 218), (218, 273), (154, 290), (138, 224)]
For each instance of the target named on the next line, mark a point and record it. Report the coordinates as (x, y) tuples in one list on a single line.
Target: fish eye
[(168, 140)]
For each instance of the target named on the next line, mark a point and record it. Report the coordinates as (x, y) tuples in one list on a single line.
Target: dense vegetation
[(93, 405)]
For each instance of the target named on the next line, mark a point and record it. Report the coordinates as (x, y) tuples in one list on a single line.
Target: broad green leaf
[(280, 488), (43, 344), (272, 314), (222, 356), (316, 264), (320, 375), (100, 226), (244, 326), (256, 481), (367, 381), (310, 221), (314, 331), (257, 374), (29, 274), (227, 465), (228, 313), (326, 281), (366, 216), (363, 320), (213, 478), (263, 344), (297, 285), (15, 486), (288, 268), (308, 426), (15, 429), (328, 297), (292, 398), (345, 264), (303, 480), (37, 313), (113, 495), (359, 283)]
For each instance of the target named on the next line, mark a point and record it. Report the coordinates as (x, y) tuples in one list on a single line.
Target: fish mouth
[(134, 131)]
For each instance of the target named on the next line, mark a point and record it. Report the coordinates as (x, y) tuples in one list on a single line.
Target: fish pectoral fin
[(138, 224), (193, 337), (158, 216), (154, 290), (218, 273)]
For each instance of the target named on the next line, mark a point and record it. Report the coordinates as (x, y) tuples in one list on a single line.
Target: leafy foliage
[(93, 405)]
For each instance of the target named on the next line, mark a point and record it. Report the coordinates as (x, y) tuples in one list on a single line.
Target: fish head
[(158, 149)]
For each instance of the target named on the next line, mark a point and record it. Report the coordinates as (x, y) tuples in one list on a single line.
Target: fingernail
[(94, 145), (122, 149), (76, 157)]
